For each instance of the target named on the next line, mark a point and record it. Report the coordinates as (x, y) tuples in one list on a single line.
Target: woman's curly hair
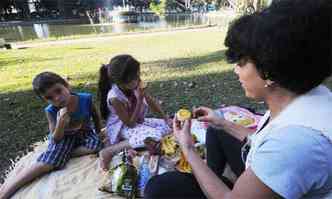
[(289, 42)]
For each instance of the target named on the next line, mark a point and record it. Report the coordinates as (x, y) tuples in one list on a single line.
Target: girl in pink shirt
[(124, 104)]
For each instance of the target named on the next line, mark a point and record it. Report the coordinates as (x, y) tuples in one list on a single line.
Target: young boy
[(71, 134)]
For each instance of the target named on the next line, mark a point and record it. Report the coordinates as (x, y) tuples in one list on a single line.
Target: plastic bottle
[(143, 175)]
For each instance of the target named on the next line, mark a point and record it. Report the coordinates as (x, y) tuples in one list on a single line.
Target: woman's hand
[(183, 135), (205, 114)]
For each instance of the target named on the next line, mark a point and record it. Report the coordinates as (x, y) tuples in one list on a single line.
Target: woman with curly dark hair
[(282, 56)]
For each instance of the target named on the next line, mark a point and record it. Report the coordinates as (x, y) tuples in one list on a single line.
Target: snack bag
[(121, 178), (113, 174), (183, 165), (171, 156)]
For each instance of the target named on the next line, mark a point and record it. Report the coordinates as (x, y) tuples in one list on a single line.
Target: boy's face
[(58, 95)]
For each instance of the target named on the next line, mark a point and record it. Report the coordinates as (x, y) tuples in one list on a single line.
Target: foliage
[(158, 6), (139, 4), (6, 5)]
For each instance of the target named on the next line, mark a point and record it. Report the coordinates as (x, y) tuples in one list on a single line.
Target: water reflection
[(118, 28), (20, 32), (41, 30), (147, 22)]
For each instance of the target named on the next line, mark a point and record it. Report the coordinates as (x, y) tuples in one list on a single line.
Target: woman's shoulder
[(294, 142), (295, 154), (299, 136)]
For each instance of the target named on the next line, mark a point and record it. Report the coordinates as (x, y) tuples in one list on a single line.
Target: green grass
[(169, 63)]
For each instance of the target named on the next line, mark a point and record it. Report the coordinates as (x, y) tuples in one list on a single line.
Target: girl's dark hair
[(289, 42), (45, 80), (121, 69)]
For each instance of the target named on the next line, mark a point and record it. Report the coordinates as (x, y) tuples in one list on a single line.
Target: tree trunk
[(257, 5), (61, 7), (24, 5)]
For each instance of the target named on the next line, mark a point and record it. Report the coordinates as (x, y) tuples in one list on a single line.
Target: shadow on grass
[(211, 90), (181, 63), (23, 48), (189, 62)]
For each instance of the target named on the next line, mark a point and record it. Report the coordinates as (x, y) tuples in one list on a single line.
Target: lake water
[(14, 33)]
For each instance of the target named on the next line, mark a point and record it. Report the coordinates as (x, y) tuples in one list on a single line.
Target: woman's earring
[(268, 83)]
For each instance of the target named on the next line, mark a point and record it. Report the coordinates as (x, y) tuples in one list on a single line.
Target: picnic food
[(183, 114), (171, 156), (238, 118), (183, 165), (169, 146)]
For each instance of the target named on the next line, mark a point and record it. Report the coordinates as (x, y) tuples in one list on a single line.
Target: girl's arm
[(121, 111), (96, 117), (155, 106), (57, 128)]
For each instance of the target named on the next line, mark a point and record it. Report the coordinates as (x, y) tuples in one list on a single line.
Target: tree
[(23, 7), (158, 6), (140, 4), (6, 6), (161, 6)]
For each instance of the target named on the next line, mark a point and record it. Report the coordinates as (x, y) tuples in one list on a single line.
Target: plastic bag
[(121, 178)]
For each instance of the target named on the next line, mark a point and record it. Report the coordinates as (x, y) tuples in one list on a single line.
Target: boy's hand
[(63, 115)]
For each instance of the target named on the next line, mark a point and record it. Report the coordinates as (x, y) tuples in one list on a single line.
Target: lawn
[(183, 69)]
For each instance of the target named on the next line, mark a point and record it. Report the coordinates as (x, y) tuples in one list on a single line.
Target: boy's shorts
[(57, 154)]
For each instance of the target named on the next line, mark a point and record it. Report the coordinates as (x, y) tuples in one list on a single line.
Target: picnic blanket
[(81, 176), (79, 179)]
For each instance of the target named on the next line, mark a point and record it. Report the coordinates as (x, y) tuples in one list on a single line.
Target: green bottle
[(128, 185)]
